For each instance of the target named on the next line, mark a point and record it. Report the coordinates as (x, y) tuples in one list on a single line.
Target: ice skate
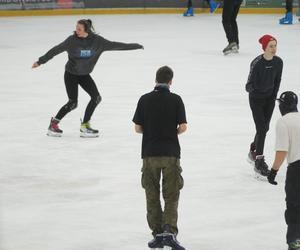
[(54, 129), (213, 6), (189, 12), (87, 132), (261, 168), (232, 48), (288, 19), (295, 245)]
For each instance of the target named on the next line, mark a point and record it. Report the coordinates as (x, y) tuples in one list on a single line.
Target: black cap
[(288, 98)]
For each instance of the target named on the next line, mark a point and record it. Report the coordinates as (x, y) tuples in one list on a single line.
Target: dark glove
[(271, 176)]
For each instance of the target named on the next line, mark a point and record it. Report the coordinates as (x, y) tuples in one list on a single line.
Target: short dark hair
[(164, 74)]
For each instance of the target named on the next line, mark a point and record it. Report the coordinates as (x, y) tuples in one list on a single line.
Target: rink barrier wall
[(119, 11)]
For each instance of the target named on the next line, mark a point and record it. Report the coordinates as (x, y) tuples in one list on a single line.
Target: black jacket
[(264, 77), (84, 52)]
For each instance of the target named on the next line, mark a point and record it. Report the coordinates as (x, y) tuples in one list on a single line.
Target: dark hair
[(164, 75), (87, 24)]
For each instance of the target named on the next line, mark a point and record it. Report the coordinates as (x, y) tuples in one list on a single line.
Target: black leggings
[(190, 3), (262, 111), (87, 83), (230, 11), (292, 213)]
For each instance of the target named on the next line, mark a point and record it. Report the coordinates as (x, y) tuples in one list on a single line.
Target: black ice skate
[(232, 48), (87, 132), (261, 167), (53, 129)]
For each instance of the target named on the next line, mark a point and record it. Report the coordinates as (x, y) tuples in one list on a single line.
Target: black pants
[(190, 3), (230, 11), (87, 83), (292, 213), (262, 111), (289, 5)]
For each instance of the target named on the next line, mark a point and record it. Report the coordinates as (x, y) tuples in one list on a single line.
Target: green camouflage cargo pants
[(172, 181)]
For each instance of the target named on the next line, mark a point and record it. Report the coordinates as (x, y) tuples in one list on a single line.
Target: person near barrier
[(213, 6)]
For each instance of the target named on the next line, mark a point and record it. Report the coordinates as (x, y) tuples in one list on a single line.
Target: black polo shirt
[(159, 113)]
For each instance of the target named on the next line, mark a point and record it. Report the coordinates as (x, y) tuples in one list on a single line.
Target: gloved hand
[(271, 177)]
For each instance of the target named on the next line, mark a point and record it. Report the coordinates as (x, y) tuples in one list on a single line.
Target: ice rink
[(71, 193)]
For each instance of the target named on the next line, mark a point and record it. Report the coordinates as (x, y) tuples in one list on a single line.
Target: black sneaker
[(295, 245), (169, 239), (261, 166), (157, 242)]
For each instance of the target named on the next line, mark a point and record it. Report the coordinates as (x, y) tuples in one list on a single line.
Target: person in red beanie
[(263, 85)]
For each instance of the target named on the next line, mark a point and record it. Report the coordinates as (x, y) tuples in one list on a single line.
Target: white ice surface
[(71, 193)]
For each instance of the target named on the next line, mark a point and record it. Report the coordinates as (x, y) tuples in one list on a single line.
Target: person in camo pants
[(160, 117)]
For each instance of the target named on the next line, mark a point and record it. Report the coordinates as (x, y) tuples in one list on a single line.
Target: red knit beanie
[(264, 40)]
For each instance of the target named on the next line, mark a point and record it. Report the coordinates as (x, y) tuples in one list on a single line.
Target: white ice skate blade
[(53, 134), (233, 52), (165, 248), (87, 135)]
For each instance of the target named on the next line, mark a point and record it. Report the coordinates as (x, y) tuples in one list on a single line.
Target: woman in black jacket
[(84, 48), (263, 85)]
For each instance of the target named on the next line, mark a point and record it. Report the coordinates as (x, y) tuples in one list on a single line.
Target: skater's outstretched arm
[(110, 45), (51, 53)]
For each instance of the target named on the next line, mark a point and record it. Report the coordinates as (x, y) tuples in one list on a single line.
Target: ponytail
[(88, 25)]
